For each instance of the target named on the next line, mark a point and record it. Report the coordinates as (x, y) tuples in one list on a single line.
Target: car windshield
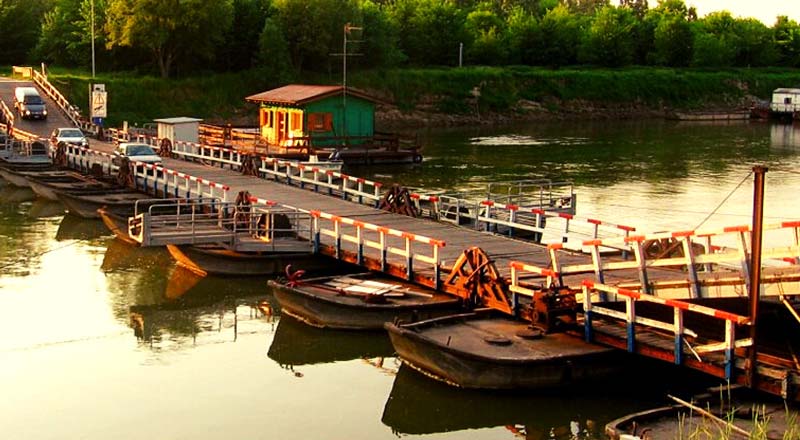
[(35, 100), (140, 150), (70, 134)]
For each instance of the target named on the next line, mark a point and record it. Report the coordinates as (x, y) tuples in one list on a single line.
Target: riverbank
[(448, 96)]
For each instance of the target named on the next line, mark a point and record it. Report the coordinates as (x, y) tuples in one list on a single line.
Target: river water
[(102, 340)]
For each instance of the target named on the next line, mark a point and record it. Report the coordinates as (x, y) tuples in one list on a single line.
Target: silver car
[(136, 152), (69, 135)]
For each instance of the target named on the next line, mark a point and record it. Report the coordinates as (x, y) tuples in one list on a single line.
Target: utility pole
[(347, 29), (92, 7), (755, 269)]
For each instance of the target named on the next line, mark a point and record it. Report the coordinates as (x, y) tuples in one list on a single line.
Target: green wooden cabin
[(322, 114)]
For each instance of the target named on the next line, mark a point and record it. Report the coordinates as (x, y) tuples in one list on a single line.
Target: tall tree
[(380, 37), (561, 30), (524, 37), (672, 37), (638, 7), (755, 46), (787, 41), (239, 45), (66, 36), (715, 40), (20, 26), (608, 39), (430, 30), (487, 37), (314, 29), (172, 30), (586, 7)]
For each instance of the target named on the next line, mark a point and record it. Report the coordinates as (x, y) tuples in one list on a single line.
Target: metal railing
[(677, 250), (727, 344), (351, 188), (538, 222), (385, 241), (156, 179), (204, 221), (149, 178), (472, 208), (7, 117), (71, 111)]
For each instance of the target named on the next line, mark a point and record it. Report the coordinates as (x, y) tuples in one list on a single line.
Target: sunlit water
[(101, 340)]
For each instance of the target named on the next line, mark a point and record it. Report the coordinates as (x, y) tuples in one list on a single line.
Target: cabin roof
[(787, 90), (299, 94), (178, 120)]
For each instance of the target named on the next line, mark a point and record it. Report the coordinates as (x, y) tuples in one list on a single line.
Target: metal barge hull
[(216, 260), (472, 351), (328, 307)]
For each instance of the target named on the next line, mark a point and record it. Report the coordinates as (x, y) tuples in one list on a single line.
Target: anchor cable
[(724, 200), (72, 243)]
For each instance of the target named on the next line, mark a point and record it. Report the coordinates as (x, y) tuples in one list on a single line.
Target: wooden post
[(755, 268)]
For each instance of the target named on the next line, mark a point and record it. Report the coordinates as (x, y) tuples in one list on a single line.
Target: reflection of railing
[(677, 250), (385, 240), (727, 345)]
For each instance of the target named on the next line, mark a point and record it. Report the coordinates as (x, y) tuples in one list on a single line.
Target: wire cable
[(724, 200), (72, 243)]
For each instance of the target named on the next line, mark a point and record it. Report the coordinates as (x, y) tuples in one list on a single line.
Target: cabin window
[(263, 119), (787, 100), (296, 118), (320, 121)]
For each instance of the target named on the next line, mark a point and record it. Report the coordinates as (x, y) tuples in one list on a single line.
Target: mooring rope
[(724, 200), (5, 266)]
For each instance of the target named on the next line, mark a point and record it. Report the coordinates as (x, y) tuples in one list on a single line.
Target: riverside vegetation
[(523, 58), (445, 96)]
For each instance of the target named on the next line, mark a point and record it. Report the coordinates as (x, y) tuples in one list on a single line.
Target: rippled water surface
[(101, 340)]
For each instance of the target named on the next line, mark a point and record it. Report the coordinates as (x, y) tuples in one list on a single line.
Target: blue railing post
[(631, 324), (678, 323)]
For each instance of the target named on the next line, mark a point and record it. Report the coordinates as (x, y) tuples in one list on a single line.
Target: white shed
[(785, 100), (178, 129)]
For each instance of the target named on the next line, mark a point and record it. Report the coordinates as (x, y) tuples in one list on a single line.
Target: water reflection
[(418, 405), (784, 135), (43, 208), (122, 257), (296, 343), (179, 325), (15, 194), (73, 227)]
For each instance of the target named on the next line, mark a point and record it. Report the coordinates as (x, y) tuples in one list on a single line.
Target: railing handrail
[(181, 184), (728, 344), (8, 116), (691, 260), (70, 111), (674, 303), (381, 243)]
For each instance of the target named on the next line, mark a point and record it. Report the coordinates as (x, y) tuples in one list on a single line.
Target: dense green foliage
[(220, 97), (186, 37)]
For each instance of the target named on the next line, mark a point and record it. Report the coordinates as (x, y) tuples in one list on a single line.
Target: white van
[(29, 104)]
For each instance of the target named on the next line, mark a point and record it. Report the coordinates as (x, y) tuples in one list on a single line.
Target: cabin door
[(282, 129)]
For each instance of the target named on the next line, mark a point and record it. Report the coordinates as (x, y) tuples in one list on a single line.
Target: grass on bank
[(219, 97)]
